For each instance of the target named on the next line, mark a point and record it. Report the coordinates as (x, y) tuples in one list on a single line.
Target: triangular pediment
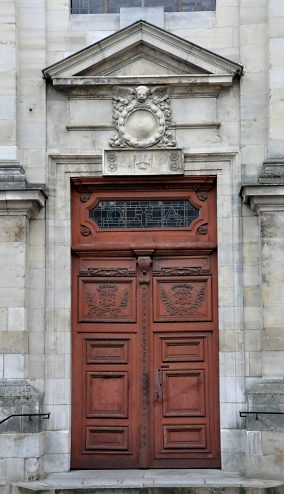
[(141, 60), (141, 50)]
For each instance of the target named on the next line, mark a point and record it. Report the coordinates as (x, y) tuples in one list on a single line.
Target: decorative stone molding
[(141, 116), (272, 172), (17, 196), (12, 175), (209, 68), (143, 162), (263, 197), (26, 202)]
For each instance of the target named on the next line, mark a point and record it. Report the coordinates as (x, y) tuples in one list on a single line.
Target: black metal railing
[(29, 415), (257, 413)]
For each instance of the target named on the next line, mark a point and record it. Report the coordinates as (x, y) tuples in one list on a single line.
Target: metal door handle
[(158, 385)]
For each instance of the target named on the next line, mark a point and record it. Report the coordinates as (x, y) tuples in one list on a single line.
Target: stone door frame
[(226, 167)]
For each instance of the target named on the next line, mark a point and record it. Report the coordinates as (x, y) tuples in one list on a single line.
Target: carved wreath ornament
[(182, 300), (106, 302), (141, 116)]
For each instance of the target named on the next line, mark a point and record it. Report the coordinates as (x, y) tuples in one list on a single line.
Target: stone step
[(77, 489), (149, 482)]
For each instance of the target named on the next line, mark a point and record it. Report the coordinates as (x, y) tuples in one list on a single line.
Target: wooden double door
[(145, 367)]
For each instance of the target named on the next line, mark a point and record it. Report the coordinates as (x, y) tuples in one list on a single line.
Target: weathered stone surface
[(17, 397), (143, 162), (225, 128)]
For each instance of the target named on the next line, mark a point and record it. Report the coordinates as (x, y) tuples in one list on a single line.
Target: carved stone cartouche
[(141, 116)]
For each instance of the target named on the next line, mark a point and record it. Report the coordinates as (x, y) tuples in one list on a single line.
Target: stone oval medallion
[(142, 127)]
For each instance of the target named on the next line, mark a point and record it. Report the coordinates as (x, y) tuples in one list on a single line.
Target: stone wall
[(35, 296)]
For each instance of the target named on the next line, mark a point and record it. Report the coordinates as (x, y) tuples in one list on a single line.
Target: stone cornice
[(219, 80), (263, 198), (22, 202)]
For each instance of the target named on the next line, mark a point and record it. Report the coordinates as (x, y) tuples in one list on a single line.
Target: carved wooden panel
[(107, 439), (107, 351), (108, 300), (107, 394), (183, 266), (184, 437), (185, 299), (183, 393)]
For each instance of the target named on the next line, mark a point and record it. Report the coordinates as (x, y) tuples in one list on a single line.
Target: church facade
[(141, 236)]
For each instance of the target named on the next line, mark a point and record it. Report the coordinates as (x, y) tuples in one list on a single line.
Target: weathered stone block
[(233, 441), (273, 443), (253, 443), (57, 442), (18, 396), (13, 342), (273, 339), (33, 469), (273, 363), (267, 396), (268, 466), (56, 463)]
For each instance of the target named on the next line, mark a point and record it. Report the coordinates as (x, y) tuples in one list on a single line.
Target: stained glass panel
[(131, 214)]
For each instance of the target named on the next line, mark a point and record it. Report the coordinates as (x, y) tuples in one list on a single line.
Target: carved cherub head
[(142, 93)]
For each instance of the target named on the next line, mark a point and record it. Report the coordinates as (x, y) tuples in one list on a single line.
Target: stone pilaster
[(8, 81), (276, 77), (19, 203), (266, 199)]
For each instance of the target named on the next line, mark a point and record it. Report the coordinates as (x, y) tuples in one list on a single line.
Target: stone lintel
[(143, 162), (21, 202), (262, 197)]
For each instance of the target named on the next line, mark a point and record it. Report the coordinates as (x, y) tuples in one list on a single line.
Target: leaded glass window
[(131, 214), (113, 6)]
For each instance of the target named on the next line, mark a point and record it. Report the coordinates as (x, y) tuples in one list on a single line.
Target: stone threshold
[(150, 482)]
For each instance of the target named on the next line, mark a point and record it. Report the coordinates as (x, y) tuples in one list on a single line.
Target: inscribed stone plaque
[(143, 162)]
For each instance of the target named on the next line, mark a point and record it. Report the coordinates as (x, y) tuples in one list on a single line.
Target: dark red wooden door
[(145, 342)]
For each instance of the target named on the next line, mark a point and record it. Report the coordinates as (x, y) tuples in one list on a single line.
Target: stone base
[(265, 435)]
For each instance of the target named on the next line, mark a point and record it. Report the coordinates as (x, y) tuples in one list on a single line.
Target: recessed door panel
[(185, 437), (183, 393), (183, 349), (107, 394), (107, 351), (108, 439)]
